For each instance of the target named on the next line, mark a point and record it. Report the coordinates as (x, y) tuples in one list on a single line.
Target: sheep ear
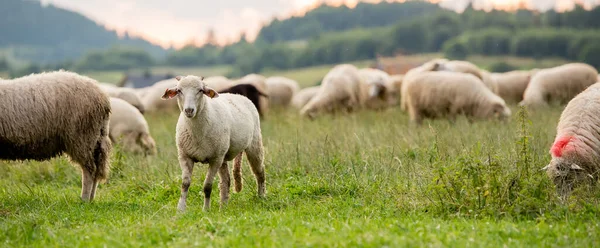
[(178, 78), (210, 92), (576, 167), (169, 93)]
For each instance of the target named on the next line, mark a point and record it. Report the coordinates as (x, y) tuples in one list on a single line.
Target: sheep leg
[(224, 183), (87, 182), (94, 186), (208, 181), (255, 155), (187, 167), (237, 173)]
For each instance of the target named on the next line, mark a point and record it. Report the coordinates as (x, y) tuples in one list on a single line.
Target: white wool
[(129, 127), (303, 96), (281, 90)]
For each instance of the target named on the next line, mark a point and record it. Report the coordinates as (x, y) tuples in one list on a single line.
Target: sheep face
[(190, 91)]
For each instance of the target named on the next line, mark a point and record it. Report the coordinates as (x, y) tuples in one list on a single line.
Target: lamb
[(511, 85), (250, 92), (576, 149), (127, 94), (558, 84), (151, 99), (281, 90), (128, 126), (303, 96), (259, 82), (447, 94), (342, 88), (45, 115), (394, 87), (214, 129), (378, 82)]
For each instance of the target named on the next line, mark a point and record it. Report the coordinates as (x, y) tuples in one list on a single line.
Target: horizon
[(183, 26)]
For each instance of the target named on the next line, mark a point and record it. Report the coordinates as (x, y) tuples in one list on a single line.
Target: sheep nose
[(189, 111)]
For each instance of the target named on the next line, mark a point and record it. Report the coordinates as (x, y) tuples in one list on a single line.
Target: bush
[(591, 54), (455, 49)]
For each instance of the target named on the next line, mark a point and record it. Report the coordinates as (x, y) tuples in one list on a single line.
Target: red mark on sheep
[(559, 145)]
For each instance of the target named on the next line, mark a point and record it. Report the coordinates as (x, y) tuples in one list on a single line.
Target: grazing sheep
[(128, 126), (152, 97), (558, 84), (395, 85), (447, 94), (249, 91), (214, 129), (511, 85), (470, 68), (127, 94), (576, 149), (48, 114), (378, 82), (303, 96), (281, 90), (431, 65), (259, 82), (342, 88)]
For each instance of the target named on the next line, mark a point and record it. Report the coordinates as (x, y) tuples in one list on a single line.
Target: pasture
[(369, 179)]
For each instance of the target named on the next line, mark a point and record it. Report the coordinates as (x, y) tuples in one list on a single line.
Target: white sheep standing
[(558, 84), (129, 126), (448, 94), (281, 90), (214, 129), (303, 96), (576, 149), (47, 114)]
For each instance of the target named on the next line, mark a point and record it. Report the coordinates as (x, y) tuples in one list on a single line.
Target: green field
[(368, 179)]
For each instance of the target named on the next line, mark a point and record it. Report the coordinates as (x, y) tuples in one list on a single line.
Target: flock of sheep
[(64, 112)]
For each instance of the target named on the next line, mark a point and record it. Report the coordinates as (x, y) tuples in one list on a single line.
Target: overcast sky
[(177, 21)]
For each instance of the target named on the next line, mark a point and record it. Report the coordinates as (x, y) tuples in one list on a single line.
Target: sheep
[(259, 82), (511, 85), (342, 88), (558, 84), (441, 93), (47, 114), (467, 67), (128, 126), (576, 149), (127, 94), (151, 99), (281, 90), (378, 82), (303, 96), (431, 65), (214, 129), (394, 87), (249, 91), (218, 83)]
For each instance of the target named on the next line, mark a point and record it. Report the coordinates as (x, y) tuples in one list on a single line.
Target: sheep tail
[(237, 172), (102, 154)]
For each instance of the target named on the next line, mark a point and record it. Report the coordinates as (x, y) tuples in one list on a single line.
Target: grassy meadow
[(369, 179)]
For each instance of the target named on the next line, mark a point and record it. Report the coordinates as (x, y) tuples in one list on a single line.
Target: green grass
[(366, 179)]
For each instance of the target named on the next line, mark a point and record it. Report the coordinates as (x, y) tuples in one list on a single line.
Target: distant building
[(142, 80)]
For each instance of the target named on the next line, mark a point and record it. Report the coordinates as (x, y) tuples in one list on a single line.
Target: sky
[(178, 22)]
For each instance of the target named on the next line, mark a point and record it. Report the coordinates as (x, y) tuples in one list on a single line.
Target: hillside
[(327, 19), (33, 32)]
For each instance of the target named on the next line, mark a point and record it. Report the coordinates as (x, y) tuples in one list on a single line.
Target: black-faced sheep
[(558, 84), (250, 92), (129, 127), (448, 94), (214, 129), (47, 114), (576, 149)]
